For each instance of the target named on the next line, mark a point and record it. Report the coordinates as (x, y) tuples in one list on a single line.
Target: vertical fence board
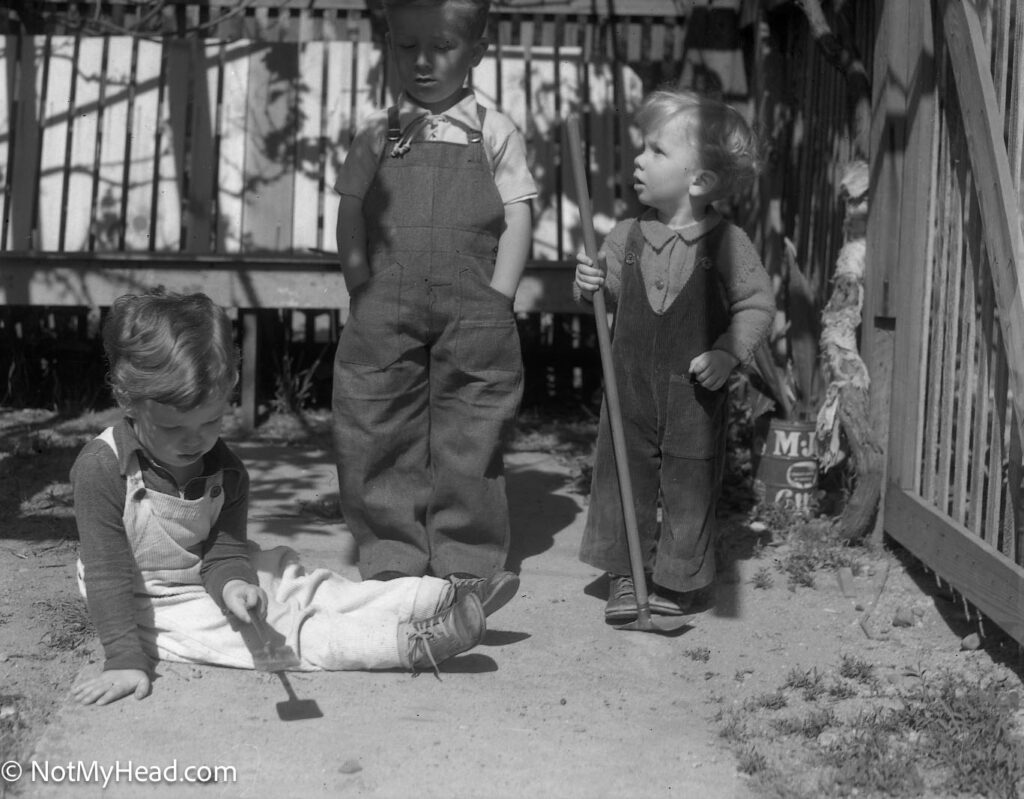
[(109, 220), (82, 167), (54, 116), (231, 155), (545, 151), (966, 461), (307, 209), (270, 148), (142, 158), (982, 405), (338, 129), (8, 90)]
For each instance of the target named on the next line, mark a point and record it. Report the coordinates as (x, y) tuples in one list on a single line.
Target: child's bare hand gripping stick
[(712, 368), (241, 598), (589, 277)]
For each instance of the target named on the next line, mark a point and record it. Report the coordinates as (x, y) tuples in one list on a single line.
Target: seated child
[(161, 505)]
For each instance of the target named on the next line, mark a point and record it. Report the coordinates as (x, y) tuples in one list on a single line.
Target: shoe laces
[(622, 587), (419, 643)]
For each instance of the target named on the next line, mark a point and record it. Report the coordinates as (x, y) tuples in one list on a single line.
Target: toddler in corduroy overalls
[(692, 301), (434, 228)]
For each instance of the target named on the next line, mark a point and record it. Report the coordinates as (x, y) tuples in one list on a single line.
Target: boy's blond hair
[(473, 13), (727, 145)]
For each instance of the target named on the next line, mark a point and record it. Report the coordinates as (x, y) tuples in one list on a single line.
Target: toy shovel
[(277, 658), (643, 621)]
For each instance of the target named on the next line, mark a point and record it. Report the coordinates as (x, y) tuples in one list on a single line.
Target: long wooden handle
[(611, 389)]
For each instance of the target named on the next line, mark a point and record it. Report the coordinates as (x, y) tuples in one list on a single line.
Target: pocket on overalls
[(370, 336), (694, 419), (486, 339)]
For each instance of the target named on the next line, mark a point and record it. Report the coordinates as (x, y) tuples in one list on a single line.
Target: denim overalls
[(428, 371), (674, 429)]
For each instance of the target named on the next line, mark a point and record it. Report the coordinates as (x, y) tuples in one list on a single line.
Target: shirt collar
[(658, 234), (463, 112)]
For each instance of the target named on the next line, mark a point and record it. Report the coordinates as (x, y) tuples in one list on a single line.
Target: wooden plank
[(177, 86), (986, 578), (54, 117), (983, 401), (997, 195), (242, 281), (307, 205), (82, 166), (231, 152), (8, 91), (202, 164), (270, 149), (109, 215), (965, 455), (142, 152), (338, 130)]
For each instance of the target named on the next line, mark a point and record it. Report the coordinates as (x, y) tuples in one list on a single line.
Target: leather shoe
[(621, 605)]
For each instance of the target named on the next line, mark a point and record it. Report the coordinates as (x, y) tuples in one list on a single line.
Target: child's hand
[(711, 369), (112, 685), (589, 278), (241, 597)]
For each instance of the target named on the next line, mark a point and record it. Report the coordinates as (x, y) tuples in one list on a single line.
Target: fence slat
[(82, 167), (55, 67), (307, 208), (142, 154), (231, 154)]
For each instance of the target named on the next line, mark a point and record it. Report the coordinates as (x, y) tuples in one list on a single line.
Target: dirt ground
[(801, 647)]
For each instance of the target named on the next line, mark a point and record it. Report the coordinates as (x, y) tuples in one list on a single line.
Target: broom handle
[(611, 389)]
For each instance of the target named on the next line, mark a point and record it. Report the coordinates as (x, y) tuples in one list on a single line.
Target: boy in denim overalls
[(692, 302), (434, 229)]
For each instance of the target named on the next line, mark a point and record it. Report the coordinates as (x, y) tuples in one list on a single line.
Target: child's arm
[(513, 248), (748, 293), (99, 493), (227, 573), (351, 234)]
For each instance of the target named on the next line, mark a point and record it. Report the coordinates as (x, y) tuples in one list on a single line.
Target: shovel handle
[(611, 389)]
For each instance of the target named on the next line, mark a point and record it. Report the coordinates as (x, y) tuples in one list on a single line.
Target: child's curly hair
[(473, 13), (727, 144), (174, 349)]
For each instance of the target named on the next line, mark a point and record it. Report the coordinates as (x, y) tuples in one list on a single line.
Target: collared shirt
[(504, 146), (668, 259), (98, 477)]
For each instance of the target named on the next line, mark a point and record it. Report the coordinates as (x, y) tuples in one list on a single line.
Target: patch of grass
[(762, 578), (700, 654), (12, 729), (750, 761), (941, 734), (809, 726), (68, 623), (810, 683), (857, 669), (775, 700)]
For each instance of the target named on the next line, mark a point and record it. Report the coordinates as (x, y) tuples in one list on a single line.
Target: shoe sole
[(502, 594)]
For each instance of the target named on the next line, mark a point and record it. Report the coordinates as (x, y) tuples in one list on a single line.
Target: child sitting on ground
[(692, 302), (161, 504)]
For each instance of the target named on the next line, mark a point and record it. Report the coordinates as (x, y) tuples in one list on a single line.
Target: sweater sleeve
[(748, 292), (226, 551), (107, 562)]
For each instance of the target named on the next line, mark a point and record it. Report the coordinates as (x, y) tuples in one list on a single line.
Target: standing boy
[(434, 229), (693, 302)]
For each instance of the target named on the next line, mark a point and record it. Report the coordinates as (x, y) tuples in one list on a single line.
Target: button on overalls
[(674, 430), (428, 371)]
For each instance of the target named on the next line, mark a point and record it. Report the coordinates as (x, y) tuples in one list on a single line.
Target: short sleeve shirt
[(503, 144)]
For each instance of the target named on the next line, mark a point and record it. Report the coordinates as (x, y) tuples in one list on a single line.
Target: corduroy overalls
[(674, 429), (428, 371)]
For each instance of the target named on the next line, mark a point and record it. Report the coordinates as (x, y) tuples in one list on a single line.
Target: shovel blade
[(644, 622), (299, 710)]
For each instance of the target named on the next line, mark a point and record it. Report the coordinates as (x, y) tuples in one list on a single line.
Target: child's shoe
[(621, 606), (428, 642), (494, 592)]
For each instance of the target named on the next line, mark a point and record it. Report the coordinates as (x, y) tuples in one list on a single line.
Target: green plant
[(701, 654), (857, 669), (809, 726), (293, 388), (762, 578)]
